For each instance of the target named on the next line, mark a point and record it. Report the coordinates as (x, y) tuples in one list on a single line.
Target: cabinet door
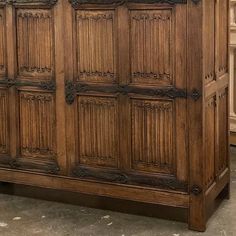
[(31, 85), (127, 96)]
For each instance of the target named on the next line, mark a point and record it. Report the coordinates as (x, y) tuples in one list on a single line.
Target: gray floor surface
[(21, 216)]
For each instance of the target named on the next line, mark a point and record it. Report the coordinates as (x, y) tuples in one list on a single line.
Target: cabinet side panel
[(222, 161), (210, 132), (223, 22), (4, 138), (209, 40), (2, 42)]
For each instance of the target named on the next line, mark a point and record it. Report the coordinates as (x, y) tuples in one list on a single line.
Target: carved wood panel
[(223, 36), (151, 46), (209, 40), (223, 131), (34, 42), (152, 135), (2, 42), (4, 131), (37, 124), (98, 134), (96, 45), (210, 122)]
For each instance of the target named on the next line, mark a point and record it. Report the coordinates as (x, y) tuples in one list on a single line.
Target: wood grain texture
[(145, 115), (152, 136), (197, 216), (37, 119), (151, 46), (222, 162), (98, 134), (34, 41), (210, 133), (96, 45), (2, 42), (209, 40), (4, 122), (223, 20)]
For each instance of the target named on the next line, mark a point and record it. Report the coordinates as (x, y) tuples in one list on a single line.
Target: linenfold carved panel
[(210, 122), (209, 41), (223, 132), (3, 122), (152, 136), (34, 41), (151, 42), (2, 42), (37, 124), (223, 37), (98, 119), (96, 46)]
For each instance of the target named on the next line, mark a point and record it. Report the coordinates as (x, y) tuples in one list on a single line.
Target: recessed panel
[(34, 42), (223, 36), (37, 124), (209, 41), (223, 132), (98, 136), (2, 42), (151, 42), (152, 136), (210, 133), (95, 43), (4, 131)]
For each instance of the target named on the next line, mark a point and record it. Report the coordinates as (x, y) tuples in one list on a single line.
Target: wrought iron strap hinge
[(72, 88), (129, 178), (48, 3), (50, 168), (45, 85), (77, 3)]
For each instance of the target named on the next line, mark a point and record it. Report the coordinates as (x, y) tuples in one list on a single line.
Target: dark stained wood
[(123, 99)]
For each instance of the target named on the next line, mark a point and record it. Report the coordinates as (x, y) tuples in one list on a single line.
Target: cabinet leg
[(226, 191), (197, 215), (7, 188)]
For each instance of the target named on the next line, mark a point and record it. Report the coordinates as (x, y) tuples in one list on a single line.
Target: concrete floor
[(26, 217)]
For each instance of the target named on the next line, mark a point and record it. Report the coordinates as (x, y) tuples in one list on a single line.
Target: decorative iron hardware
[(48, 3), (170, 92), (70, 92), (126, 89), (196, 190), (45, 85), (77, 3), (115, 177), (196, 1), (50, 168), (128, 178), (195, 95)]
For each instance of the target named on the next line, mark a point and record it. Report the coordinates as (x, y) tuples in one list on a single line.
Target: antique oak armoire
[(126, 99)]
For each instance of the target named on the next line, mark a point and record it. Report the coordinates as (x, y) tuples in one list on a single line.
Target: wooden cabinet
[(125, 99)]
